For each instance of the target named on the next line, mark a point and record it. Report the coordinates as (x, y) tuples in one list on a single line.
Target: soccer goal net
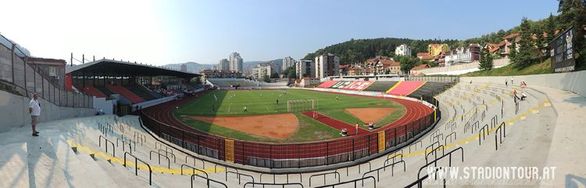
[(301, 105)]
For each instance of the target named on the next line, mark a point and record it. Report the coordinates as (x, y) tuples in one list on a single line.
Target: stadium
[(108, 122)]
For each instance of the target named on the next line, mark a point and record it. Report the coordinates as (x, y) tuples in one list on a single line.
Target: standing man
[(356, 129), (35, 111)]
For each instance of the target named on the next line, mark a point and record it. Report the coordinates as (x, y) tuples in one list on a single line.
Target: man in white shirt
[(35, 111)]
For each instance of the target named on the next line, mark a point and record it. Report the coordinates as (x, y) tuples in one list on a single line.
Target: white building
[(288, 62), (261, 70), (403, 50), (235, 62), (463, 55), (327, 65), (224, 65), (305, 68)]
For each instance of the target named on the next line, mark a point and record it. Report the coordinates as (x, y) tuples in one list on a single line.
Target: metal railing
[(355, 181), (24, 79), (160, 155), (502, 132), (208, 180), (325, 175), (287, 176), (272, 184), (100, 138), (136, 159)]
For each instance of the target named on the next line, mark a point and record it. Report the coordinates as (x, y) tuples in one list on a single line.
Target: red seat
[(405, 88), (126, 93)]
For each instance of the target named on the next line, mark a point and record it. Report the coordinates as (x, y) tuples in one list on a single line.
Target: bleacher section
[(126, 93), (405, 88), (93, 92), (228, 82), (327, 84), (430, 89), (142, 92), (380, 86), (104, 90)]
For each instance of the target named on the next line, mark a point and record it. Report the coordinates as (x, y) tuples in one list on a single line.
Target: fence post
[(12, 60)]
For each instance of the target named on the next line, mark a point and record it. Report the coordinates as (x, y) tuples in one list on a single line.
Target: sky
[(161, 32)]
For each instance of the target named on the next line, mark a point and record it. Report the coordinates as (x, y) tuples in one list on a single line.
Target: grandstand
[(129, 81), (75, 145)]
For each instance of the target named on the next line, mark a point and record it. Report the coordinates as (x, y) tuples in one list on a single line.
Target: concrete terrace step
[(13, 165)]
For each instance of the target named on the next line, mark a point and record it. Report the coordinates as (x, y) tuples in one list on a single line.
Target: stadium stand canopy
[(120, 68)]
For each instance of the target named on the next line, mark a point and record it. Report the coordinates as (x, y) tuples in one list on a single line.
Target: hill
[(191, 66), (359, 50)]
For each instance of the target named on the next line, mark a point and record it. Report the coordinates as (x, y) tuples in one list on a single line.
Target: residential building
[(184, 67), (262, 70), (220, 74), (424, 56), (52, 69), (224, 65), (235, 62), (381, 65), (417, 69), (403, 50), (463, 55), (437, 49), (305, 68), (327, 65), (287, 62)]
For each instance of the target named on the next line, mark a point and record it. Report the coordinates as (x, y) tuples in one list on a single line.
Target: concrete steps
[(13, 165)]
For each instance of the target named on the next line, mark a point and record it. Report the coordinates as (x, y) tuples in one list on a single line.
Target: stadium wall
[(573, 81), (15, 113)]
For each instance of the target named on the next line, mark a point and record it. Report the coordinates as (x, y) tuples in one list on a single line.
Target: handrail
[(167, 154), (502, 132), (419, 181), (450, 136), (100, 138), (351, 181), (238, 174), (208, 180), (389, 157), (434, 151), (193, 171), (124, 139), (160, 154), (136, 159), (482, 134), (274, 184), (431, 146), (275, 180), (325, 174), (384, 167), (437, 159)]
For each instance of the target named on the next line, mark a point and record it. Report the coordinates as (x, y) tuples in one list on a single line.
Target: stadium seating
[(327, 84), (126, 93), (430, 89), (380, 86), (104, 90), (405, 88), (228, 82), (142, 92), (93, 91)]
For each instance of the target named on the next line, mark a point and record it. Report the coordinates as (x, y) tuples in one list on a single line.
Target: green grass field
[(510, 70), (257, 102)]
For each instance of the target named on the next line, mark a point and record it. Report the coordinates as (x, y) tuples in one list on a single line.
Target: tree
[(266, 78), (292, 73), (485, 60), (527, 49), (407, 63)]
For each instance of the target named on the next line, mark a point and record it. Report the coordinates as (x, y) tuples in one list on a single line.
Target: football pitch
[(254, 103)]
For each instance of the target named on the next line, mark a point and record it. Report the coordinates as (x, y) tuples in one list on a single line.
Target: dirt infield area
[(370, 114), (278, 126)]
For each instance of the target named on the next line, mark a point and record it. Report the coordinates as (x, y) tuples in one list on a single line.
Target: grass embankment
[(512, 70)]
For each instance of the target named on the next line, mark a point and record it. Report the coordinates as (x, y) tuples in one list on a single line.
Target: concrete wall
[(14, 111), (574, 82)]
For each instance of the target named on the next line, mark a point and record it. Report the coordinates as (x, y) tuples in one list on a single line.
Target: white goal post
[(301, 105)]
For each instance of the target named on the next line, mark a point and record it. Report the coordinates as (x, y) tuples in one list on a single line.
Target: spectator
[(344, 132), (35, 111)]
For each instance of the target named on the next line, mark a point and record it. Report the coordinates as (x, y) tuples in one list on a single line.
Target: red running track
[(336, 124), (414, 110)]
